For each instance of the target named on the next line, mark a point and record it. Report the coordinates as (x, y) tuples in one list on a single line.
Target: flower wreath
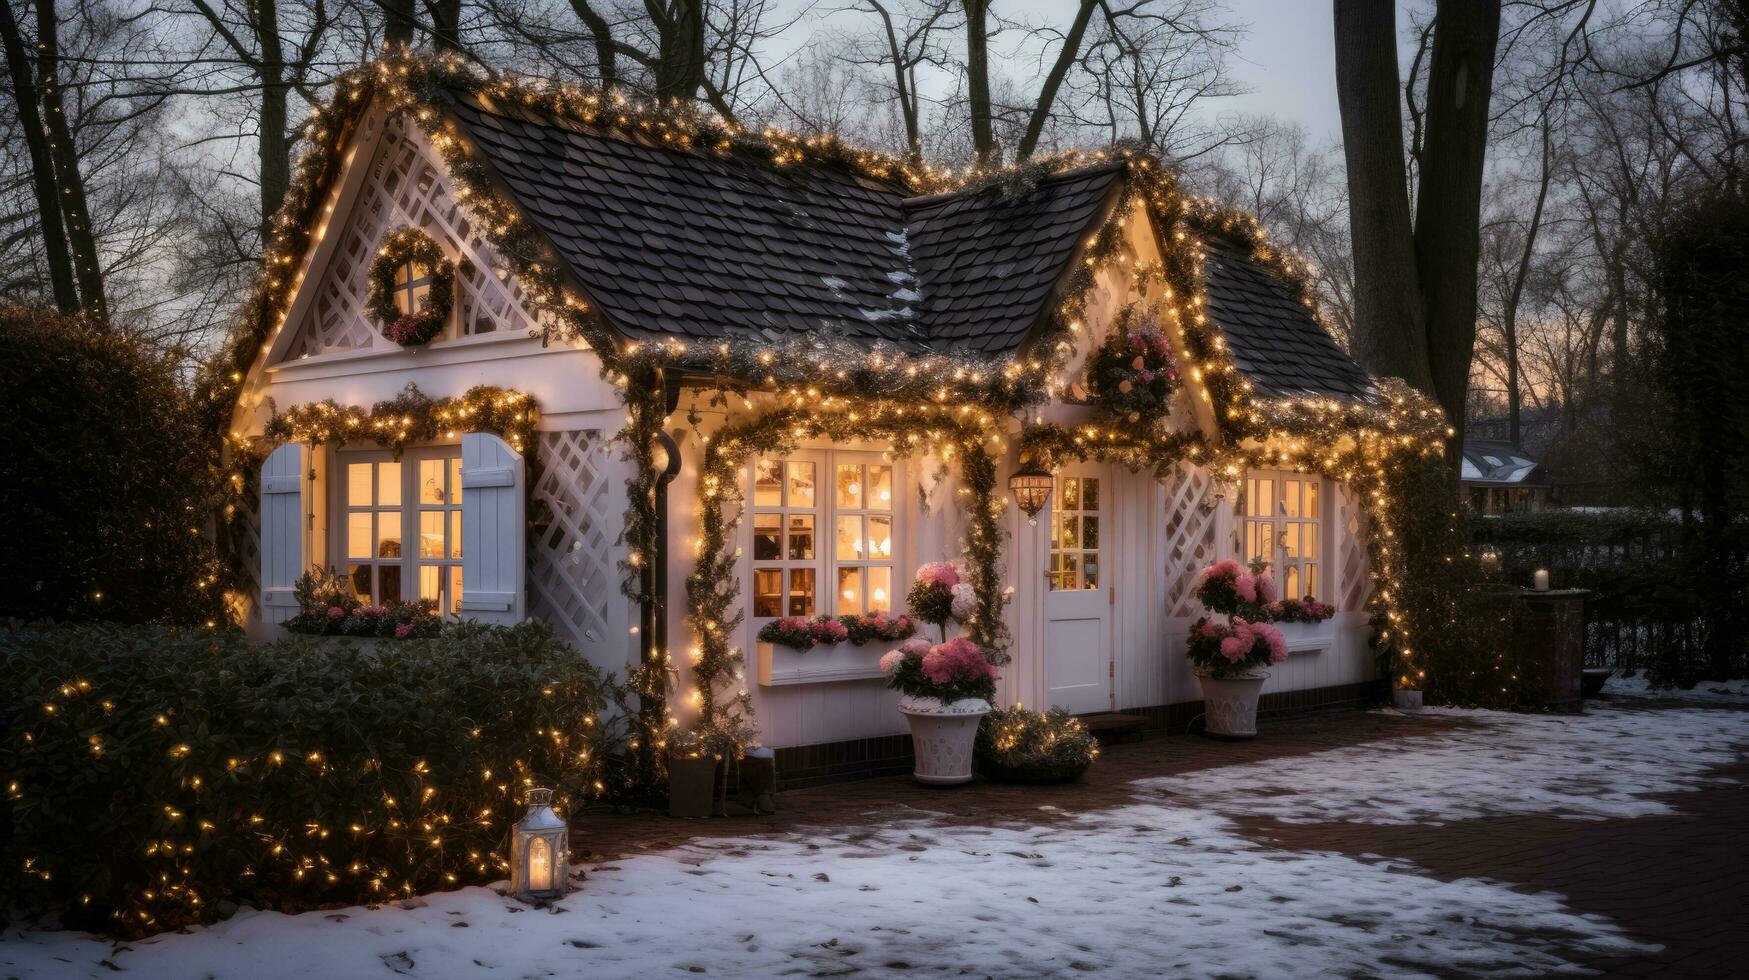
[(421, 326), (1132, 375)]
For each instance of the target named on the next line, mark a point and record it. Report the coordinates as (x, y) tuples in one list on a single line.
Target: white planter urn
[(942, 736), (1229, 704)]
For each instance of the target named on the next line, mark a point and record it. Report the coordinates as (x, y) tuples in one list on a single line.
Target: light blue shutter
[(492, 530), (285, 530)]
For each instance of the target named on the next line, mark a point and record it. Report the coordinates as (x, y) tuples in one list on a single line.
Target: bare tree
[(43, 182)]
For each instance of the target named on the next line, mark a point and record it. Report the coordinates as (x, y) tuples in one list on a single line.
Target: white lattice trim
[(1351, 553), (573, 578), (1190, 539)]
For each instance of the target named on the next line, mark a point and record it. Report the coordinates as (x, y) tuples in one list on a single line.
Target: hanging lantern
[(539, 851), (1031, 486)]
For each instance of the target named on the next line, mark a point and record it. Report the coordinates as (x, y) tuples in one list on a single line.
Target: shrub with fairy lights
[(1019, 745), (154, 775)]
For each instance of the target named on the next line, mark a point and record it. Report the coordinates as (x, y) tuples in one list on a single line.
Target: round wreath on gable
[(1131, 376), (412, 287)]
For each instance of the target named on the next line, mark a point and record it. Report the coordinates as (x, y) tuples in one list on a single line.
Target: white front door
[(1077, 647)]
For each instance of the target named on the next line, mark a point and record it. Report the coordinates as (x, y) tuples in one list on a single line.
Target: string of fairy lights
[(829, 385)]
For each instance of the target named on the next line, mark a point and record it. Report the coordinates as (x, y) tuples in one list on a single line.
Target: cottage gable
[(402, 184)]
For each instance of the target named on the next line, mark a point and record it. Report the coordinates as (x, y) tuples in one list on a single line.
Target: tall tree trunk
[(1047, 96), (680, 61), (81, 239), (42, 167), (1515, 295), (978, 81), (399, 20), (1389, 337), (273, 145), (606, 60), (903, 87), (1460, 82), (446, 24)]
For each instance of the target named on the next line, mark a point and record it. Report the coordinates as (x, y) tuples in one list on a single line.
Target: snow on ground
[(1599, 765), (1139, 890), (1707, 691), (1164, 886)]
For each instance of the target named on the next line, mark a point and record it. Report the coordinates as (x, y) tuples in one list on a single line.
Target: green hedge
[(155, 777)]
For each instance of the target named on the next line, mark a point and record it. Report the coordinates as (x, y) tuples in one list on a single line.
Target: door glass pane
[(849, 590), (767, 537), (1090, 493), (1090, 570), (850, 545), (358, 539), (880, 589), (801, 592), (880, 537), (850, 486), (431, 481), (1069, 497), (455, 534), (801, 484), (801, 537), (1068, 531), (359, 577), (768, 592), (358, 484), (389, 484), (767, 486), (388, 584), (880, 487), (388, 534), (431, 537), (1069, 579), (1090, 532)]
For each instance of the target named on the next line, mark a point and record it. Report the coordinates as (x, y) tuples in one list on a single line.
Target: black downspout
[(653, 611)]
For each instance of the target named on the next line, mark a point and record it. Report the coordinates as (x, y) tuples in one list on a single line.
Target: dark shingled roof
[(671, 242), (1274, 339)]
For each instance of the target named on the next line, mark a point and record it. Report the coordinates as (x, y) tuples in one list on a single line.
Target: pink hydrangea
[(403, 630), (335, 612), (939, 572), (916, 646), (1224, 568), (1245, 586), (890, 662), (1266, 589), (957, 660), (1276, 642), (831, 631)]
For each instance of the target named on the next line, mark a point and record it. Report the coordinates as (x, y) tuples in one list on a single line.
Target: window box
[(1308, 637), (824, 664)]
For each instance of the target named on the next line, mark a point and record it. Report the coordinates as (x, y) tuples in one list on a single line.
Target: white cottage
[(666, 236)]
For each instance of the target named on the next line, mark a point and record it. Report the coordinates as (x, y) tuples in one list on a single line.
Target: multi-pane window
[(823, 518), (1075, 537), (1284, 527), (401, 531), (412, 287)]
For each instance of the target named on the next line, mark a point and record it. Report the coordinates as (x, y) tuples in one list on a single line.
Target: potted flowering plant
[(932, 593), (947, 688), (1229, 657)]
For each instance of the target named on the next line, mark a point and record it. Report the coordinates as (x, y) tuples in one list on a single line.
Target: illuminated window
[(401, 532), (412, 287), (1075, 533), (822, 518), (1283, 526)]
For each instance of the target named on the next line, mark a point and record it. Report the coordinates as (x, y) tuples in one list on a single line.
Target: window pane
[(455, 479), (850, 544), (1290, 540), (767, 486), (431, 538), (1290, 585), (1090, 532), (850, 590), (359, 577), (389, 484), (850, 486), (1265, 499), (801, 484), (1069, 579), (767, 537), (430, 581), (880, 537), (421, 296), (1070, 494), (1290, 498), (880, 588), (801, 592), (880, 487), (1309, 539), (1311, 508), (358, 484), (1312, 586), (388, 584), (1090, 571), (358, 539), (388, 534), (431, 481), (768, 592), (455, 590), (1090, 493), (455, 534), (1068, 531), (801, 537)]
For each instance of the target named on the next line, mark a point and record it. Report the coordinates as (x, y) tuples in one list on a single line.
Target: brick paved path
[(1681, 880)]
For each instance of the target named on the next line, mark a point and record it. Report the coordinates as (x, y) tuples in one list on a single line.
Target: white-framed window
[(1284, 526), (412, 287), (400, 527), (824, 534)]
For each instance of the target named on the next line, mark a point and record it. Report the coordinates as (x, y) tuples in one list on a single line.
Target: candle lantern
[(1031, 486), (1540, 581), (539, 851)]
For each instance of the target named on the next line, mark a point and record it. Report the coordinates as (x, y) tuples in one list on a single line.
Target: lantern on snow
[(539, 851)]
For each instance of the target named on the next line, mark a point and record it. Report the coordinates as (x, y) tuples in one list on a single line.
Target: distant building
[(1498, 478)]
